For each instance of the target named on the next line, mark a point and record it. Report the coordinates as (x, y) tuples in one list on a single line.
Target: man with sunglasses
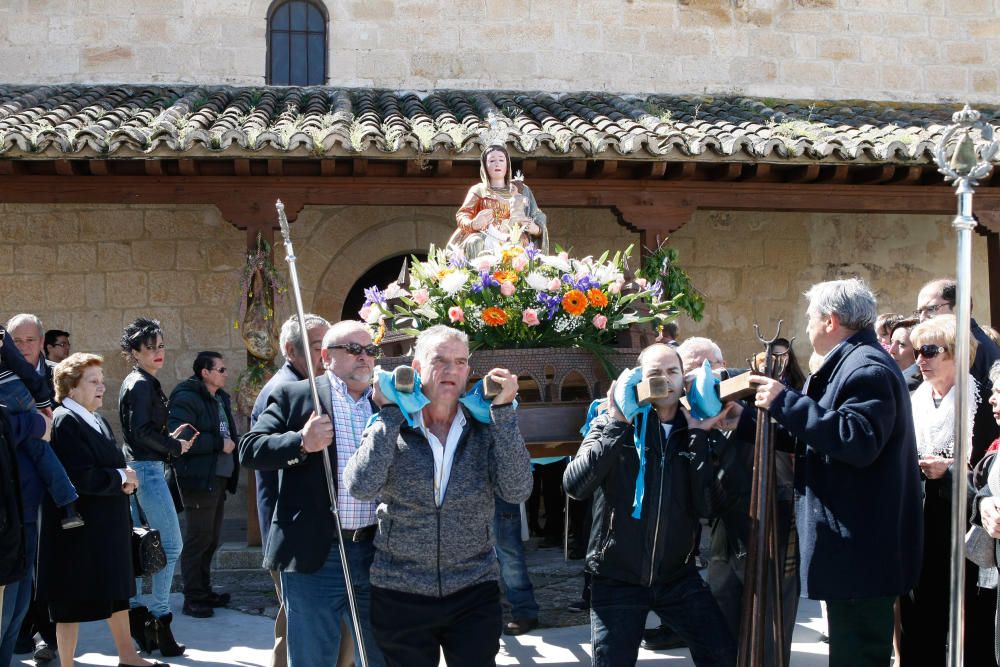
[(857, 483), (938, 298), (289, 436), (205, 473)]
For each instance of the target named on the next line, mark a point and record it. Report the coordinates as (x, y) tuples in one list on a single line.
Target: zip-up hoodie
[(659, 546), (422, 548)]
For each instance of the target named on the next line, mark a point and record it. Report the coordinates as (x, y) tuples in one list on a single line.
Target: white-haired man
[(434, 580), (857, 483), (289, 436)]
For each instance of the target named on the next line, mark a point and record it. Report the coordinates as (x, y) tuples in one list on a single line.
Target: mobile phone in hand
[(187, 432)]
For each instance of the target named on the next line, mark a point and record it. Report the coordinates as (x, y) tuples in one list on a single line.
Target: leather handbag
[(148, 556)]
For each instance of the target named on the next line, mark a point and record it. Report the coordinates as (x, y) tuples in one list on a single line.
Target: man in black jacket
[(208, 470), (643, 541), (13, 555)]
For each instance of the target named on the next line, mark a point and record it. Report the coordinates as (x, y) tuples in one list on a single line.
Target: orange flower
[(510, 252), (598, 299), (574, 302), (506, 276), (494, 317)]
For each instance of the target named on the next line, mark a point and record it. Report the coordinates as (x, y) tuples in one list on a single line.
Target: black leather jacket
[(142, 406), (658, 547)]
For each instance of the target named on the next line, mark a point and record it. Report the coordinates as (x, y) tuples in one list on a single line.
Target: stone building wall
[(919, 50), (92, 269)]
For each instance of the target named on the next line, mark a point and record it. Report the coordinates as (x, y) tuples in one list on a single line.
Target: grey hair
[(25, 318), (292, 333), (429, 338), (685, 348), (851, 299), (995, 374), (342, 330)]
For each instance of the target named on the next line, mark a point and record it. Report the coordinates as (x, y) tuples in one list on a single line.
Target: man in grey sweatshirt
[(434, 579)]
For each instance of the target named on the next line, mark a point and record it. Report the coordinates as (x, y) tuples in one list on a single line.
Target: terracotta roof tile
[(81, 121)]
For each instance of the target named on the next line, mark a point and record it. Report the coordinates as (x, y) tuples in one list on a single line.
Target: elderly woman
[(86, 575), (492, 205), (142, 406), (902, 352), (924, 612)]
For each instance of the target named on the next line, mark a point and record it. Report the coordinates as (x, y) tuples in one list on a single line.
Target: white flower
[(486, 261), (394, 291), (607, 273), (537, 281), (425, 312), (453, 282), (556, 262)]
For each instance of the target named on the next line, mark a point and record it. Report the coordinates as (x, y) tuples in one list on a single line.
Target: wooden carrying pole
[(762, 581)]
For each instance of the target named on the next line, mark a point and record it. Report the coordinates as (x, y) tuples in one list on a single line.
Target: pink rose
[(456, 314), (641, 282), (484, 263), (364, 313), (600, 321), (555, 285), (615, 287), (564, 256), (507, 288), (421, 296), (519, 262), (530, 317)]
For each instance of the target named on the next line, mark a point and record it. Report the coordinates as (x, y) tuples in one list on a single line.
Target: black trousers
[(412, 630), (861, 631), (203, 525)]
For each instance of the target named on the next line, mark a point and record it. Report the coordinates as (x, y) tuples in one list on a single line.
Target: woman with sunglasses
[(142, 406), (924, 612)]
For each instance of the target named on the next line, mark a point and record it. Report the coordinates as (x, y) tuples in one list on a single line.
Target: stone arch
[(405, 234)]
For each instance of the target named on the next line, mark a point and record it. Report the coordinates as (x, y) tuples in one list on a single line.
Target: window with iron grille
[(296, 44)]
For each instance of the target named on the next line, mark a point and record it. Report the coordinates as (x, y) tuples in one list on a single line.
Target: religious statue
[(496, 206)]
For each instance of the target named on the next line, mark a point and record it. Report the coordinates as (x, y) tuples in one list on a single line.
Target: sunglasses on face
[(356, 349), (928, 351), (221, 369)]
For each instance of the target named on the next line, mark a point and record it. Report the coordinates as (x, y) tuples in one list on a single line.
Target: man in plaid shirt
[(289, 437)]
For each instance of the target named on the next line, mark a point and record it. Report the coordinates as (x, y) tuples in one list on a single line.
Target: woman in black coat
[(87, 575)]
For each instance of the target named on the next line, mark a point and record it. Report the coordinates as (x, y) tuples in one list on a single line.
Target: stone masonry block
[(127, 289), (33, 258), (67, 290), (217, 289), (76, 256), (6, 258), (95, 296), (171, 288), (22, 292), (153, 254), (719, 251), (111, 224), (114, 256)]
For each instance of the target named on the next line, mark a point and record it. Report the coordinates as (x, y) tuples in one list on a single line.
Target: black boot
[(169, 648), (140, 623)]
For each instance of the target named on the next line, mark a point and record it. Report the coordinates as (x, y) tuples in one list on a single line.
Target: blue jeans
[(17, 598), (618, 616), (158, 506), (15, 397), (513, 569), (315, 604)]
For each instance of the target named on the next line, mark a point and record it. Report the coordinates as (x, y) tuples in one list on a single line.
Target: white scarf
[(935, 426)]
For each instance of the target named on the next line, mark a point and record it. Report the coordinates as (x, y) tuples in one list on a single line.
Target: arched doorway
[(381, 275)]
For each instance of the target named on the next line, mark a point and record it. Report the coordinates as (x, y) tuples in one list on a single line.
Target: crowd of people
[(428, 482)]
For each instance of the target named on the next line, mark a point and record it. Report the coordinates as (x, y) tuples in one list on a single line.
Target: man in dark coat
[(205, 473), (857, 484), (13, 556)]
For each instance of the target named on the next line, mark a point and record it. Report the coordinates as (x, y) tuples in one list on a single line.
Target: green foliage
[(661, 265)]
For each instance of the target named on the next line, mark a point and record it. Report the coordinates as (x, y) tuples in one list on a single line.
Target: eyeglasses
[(221, 369), (59, 345), (371, 349), (929, 309), (928, 351)]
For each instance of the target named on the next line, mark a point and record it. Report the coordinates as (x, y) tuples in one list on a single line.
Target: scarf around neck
[(935, 426)]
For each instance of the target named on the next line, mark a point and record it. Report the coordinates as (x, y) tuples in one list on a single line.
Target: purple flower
[(486, 280), (457, 261), (583, 283), (551, 303), (374, 295), (657, 290), (531, 251)]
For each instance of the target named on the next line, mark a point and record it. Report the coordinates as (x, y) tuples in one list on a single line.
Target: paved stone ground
[(557, 582)]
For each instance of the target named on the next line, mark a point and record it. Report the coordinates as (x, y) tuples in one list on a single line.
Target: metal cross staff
[(968, 164), (318, 408)]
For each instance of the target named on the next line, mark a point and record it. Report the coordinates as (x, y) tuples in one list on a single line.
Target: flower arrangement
[(517, 297)]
